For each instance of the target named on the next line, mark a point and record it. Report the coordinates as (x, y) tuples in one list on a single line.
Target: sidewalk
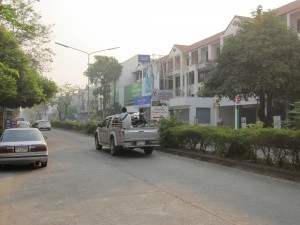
[(250, 167)]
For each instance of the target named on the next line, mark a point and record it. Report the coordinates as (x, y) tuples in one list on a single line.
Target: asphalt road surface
[(84, 186)]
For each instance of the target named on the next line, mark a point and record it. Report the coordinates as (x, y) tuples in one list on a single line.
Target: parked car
[(35, 123), (44, 125), (22, 124), (23, 146)]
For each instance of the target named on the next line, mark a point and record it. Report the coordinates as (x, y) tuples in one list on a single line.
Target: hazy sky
[(136, 26)]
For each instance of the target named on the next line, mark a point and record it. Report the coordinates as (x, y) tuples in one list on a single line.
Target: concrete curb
[(250, 167)]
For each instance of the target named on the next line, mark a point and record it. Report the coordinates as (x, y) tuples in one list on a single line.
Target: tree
[(260, 61), (49, 88), (20, 85), (103, 72), (18, 79), (19, 17), (64, 98)]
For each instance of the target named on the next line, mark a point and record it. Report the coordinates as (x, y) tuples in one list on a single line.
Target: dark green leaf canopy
[(21, 85)]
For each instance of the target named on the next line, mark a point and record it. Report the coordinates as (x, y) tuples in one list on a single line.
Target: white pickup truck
[(110, 133)]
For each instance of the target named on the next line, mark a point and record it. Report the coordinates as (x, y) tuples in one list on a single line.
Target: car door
[(103, 132)]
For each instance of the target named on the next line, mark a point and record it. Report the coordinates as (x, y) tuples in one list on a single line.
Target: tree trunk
[(269, 111), (265, 110), (60, 114), (261, 109), (65, 111), (104, 103)]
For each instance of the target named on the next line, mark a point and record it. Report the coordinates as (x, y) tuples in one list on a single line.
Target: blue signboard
[(143, 100), (143, 58), (8, 123)]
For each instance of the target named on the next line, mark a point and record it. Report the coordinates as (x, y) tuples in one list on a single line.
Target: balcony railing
[(204, 64)]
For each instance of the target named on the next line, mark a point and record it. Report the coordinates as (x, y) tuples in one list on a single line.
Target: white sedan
[(23, 146), (44, 125)]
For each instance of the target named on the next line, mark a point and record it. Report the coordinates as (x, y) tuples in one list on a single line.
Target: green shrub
[(221, 139), (90, 127), (188, 136), (241, 146), (165, 125)]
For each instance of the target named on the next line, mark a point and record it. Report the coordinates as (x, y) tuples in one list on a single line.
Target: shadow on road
[(136, 153)]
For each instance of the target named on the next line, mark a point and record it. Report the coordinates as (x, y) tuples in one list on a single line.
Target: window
[(170, 84), (201, 76), (203, 115), (105, 122), (183, 114), (188, 61), (191, 78), (162, 84), (177, 82), (116, 122)]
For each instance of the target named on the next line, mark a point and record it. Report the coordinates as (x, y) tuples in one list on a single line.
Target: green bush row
[(280, 147), (88, 128)]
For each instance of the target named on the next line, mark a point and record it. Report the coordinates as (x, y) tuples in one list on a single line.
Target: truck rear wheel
[(148, 151), (113, 149), (97, 144)]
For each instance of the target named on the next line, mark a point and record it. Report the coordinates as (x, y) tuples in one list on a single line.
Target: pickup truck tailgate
[(143, 133)]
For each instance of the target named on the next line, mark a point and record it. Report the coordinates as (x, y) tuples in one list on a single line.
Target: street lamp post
[(88, 54)]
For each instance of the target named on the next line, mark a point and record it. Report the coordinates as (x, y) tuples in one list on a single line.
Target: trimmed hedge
[(276, 147), (88, 128)]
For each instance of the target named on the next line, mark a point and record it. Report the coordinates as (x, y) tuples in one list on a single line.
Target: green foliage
[(165, 125), (49, 88), (64, 98), (87, 128), (260, 61), (90, 127), (295, 115), (19, 82), (221, 139), (104, 71), (8, 85), (193, 137), (72, 112), (19, 18), (276, 147)]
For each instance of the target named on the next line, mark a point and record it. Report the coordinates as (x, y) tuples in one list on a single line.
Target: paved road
[(84, 186)]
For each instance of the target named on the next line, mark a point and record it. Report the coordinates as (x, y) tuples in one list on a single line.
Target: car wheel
[(148, 151), (98, 146), (113, 148), (44, 164)]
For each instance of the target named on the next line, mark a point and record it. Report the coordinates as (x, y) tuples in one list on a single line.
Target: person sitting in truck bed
[(125, 118), (142, 118)]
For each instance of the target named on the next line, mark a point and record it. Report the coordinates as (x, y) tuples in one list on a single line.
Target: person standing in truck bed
[(125, 118)]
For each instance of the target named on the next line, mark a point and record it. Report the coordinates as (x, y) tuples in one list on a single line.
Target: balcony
[(204, 65), (173, 72)]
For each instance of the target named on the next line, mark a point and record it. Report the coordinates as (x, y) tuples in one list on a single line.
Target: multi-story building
[(183, 71)]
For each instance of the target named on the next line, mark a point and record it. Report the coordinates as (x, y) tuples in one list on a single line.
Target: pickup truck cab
[(110, 133)]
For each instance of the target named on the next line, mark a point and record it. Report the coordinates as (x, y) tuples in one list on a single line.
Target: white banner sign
[(158, 112)]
